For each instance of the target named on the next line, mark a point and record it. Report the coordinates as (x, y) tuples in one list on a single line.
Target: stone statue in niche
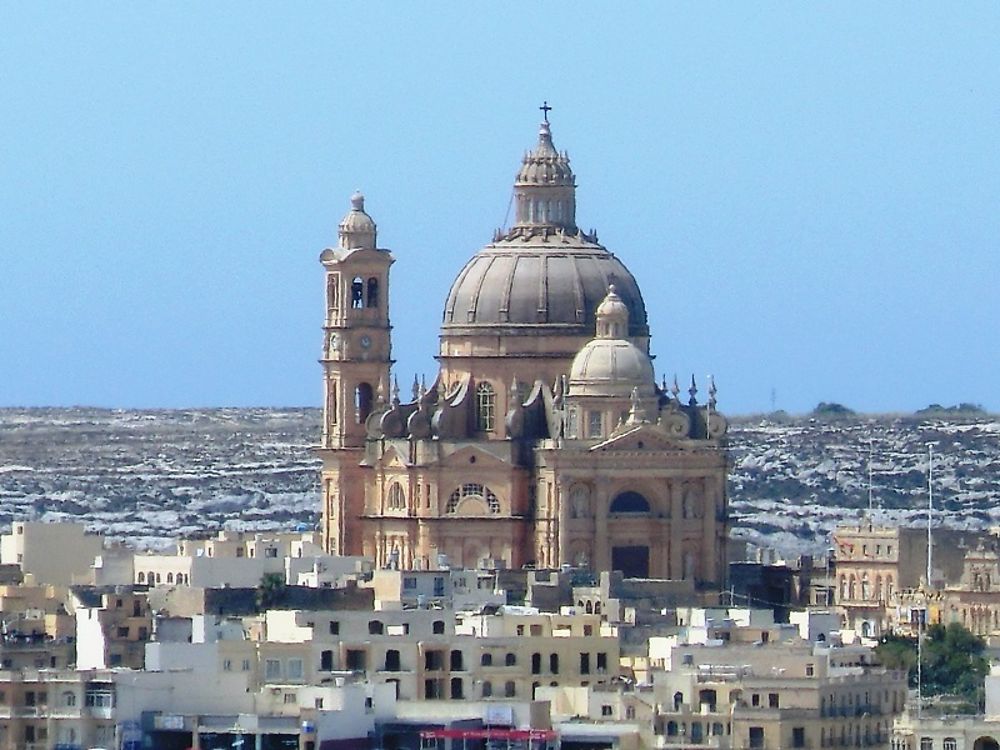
[(579, 503)]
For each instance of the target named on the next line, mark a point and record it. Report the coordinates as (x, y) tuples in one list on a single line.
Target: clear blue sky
[(808, 194)]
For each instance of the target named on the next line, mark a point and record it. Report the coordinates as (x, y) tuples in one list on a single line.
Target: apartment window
[(487, 689), (588, 630), (410, 582), (486, 660), (554, 663), (536, 663), (326, 661), (433, 689), (584, 663), (271, 552), (123, 632), (457, 689), (375, 627), (508, 689), (357, 660), (227, 665), (602, 662), (926, 743), (289, 698), (520, 629), (334, 627), (392, 660), (318, 703), (433, 660), (950, 743), (810, 670), (772, 700), (69, 699), (536, 630), (272, 669), (756, 737), (438, 627), (245, 666), (295, 669), (511, 660), (755, 700), (606, 710)]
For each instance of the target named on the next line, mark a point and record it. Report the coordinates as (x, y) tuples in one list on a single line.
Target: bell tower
[(356, 358)]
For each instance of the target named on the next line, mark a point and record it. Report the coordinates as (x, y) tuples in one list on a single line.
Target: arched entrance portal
[(632, 561), (986, 743)]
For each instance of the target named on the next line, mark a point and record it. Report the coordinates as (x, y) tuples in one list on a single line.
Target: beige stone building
[(545, 438)]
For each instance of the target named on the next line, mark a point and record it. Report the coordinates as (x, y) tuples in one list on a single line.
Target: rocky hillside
[(149, 476)]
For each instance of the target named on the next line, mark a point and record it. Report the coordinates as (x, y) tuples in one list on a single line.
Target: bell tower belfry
[(356, 359)]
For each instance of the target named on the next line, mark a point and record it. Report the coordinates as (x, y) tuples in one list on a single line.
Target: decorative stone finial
[(395, 391), (693, 393), (675, 390), (415, 388), (712, 390)]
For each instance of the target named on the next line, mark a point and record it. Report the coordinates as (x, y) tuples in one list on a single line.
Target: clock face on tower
[(365, 341)]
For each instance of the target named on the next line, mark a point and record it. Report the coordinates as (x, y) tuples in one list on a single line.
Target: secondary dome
[(543, 273), (611, 367), (610, 364)]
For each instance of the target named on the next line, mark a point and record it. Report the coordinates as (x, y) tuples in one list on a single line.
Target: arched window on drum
[(486, 407)]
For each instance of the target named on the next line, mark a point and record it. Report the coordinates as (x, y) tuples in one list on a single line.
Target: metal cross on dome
[(545, 110)]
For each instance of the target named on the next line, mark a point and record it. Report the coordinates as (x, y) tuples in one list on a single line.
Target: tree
[(952, 662), (270, 590)]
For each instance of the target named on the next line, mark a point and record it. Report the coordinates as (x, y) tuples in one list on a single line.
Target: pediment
[(643, 437), (472, 456), (393, 458)]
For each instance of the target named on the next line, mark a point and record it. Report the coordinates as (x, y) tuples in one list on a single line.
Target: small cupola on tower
[(612, 316), (357, 230), (545, 188)]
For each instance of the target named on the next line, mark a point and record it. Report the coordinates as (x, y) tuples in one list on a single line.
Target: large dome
[(557, 281), (543, 274)]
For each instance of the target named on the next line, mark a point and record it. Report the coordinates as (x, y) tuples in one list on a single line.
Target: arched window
[(357, 293), (509, 689), (536, 663), (487, 689), (372, 300), (486, 406), (511, 660), (170, 577), (926, 743), (486, 660), (142, 577), (362, 402), (554, 663), (950, 743), (629, 502), (397, 498), (475, 492)]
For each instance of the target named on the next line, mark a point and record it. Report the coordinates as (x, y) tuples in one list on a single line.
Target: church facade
[(545, 439)]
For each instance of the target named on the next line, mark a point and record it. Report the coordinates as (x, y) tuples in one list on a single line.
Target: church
[(545, 439)]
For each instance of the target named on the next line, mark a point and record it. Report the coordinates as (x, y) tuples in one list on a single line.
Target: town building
[(545, 439)]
